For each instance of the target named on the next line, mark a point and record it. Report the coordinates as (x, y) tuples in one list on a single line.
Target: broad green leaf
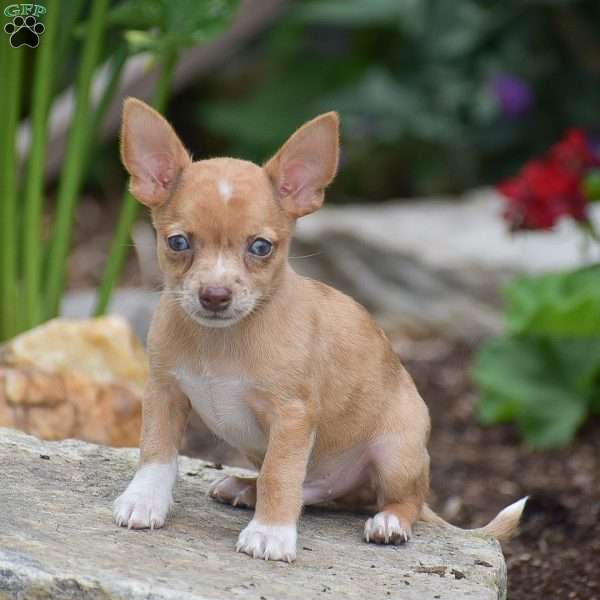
[(577, 360), (534, 382), (566, 303)]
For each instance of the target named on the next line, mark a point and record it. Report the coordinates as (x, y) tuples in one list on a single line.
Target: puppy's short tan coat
[(293, 373)]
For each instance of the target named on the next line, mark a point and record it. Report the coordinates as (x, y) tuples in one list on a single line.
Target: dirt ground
[(476, 471)]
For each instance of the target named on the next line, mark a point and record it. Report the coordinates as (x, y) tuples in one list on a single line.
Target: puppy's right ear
[(151, 152)]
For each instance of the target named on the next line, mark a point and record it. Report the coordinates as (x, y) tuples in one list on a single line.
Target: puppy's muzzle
[(215, 299)]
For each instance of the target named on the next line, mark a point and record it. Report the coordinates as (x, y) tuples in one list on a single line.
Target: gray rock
[(432, 266), (57, 541)]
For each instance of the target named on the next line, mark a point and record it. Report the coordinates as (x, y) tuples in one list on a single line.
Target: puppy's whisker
[(305, 256)]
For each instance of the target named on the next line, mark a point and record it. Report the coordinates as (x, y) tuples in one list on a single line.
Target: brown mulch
[(478, 470)]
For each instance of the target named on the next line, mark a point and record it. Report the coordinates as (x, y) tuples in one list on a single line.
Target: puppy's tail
[(501, 527)]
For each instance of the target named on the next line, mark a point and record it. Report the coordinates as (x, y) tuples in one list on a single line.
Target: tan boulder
[(75, 378)]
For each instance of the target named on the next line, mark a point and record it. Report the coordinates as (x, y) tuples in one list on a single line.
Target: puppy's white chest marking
[(222, 404)]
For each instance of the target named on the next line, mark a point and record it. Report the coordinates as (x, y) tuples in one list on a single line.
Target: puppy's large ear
[(151, 152), (306, 165)]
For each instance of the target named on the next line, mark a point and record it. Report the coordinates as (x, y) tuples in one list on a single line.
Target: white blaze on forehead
[(225, 189)]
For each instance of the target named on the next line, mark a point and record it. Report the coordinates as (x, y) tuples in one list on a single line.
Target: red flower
[(574, 153), (549, 188)]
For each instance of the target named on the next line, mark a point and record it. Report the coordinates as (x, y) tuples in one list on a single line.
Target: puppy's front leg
[(272, 532), (148, 497)]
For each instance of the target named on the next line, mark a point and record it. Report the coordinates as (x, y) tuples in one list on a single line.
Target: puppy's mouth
[(217, 319), (212, 319)]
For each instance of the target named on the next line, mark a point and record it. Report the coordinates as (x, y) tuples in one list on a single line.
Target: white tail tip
[(505, 523)]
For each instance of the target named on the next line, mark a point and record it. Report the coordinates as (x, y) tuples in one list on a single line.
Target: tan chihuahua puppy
[(291, 372)]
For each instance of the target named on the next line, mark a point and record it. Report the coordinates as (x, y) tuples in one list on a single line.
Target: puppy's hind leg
[(392, 524), (402, 486), (237, 491)]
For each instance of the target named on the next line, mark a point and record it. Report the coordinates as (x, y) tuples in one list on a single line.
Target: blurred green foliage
[(544, 374), (414, 83)]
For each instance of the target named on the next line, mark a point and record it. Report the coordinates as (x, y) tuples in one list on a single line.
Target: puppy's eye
[(178, 242), (260, 247)]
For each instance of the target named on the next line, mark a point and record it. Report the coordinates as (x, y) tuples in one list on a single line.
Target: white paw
[(270, 542), (386, 528), (148, 498)]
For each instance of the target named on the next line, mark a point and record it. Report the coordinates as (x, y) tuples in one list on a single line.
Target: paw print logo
[(24, 32)]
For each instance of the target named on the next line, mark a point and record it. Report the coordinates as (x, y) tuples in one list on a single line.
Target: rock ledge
[(57, 541)]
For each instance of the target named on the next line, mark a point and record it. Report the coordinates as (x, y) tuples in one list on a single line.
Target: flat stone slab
[(57, 540)]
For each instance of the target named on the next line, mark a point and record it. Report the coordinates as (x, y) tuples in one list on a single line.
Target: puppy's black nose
[(216, 299)]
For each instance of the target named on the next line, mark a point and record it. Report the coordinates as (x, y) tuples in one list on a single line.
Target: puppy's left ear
[(305, 165)]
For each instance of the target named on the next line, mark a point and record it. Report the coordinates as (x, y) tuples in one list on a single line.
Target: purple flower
[(594, 143), (513, 93)]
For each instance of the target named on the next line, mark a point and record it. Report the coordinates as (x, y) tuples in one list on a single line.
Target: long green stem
[(34, 183), (10, 78), (116, 69), (69, 14), (4, 154), (120, 244), (71, 178)]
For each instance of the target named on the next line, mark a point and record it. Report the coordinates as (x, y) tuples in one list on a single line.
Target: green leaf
[(164, 25), (198, 20), (137, 14), (591, 185), (537, 383), (566, 303), (545, 374)]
